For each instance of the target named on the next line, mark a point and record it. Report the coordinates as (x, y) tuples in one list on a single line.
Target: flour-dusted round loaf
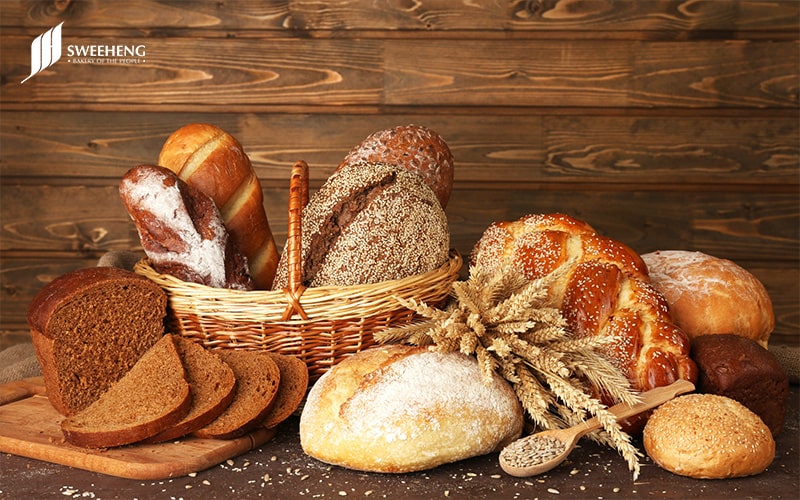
[(709, 295), (399, 409), (370, 222), (414, 147), (707, 436)]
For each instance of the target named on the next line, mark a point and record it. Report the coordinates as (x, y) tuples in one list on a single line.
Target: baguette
[(213, 161)]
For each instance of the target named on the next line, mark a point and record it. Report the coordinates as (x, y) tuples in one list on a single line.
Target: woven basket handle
[(298, 199)]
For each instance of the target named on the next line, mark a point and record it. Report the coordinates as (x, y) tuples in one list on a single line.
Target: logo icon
[(45, 50)]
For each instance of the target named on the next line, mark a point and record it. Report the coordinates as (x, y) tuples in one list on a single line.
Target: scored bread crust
[(414, 147), (213, 161), (707, 436), (91, 311), (369, 222), (708, 295), (398, 409), (152, 396)]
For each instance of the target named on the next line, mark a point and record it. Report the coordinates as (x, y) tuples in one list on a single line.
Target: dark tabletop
[(280, 469)]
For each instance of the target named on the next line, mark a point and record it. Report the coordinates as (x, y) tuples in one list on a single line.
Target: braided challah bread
[(601, 287)]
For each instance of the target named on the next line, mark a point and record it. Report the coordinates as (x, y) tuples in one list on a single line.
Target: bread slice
[(291, 391), (152, 396), (89, 327), (257, 381), (212, 385)]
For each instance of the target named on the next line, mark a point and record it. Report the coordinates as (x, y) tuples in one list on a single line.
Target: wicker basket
[(320, 325)]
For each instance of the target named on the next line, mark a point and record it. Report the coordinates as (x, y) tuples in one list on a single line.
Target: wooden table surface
[(280, 469)]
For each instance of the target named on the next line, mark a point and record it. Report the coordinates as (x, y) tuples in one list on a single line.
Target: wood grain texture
[(667, 124), (677, 18)]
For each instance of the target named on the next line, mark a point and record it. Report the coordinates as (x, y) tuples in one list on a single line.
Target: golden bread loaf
[(399, 409), (709, 295), (707, 436)]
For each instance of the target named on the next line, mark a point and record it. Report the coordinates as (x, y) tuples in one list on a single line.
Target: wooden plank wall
[(666, 124)]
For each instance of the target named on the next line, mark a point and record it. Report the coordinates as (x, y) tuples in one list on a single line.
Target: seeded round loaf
[(370, 222), (707, 436), (414, 147)]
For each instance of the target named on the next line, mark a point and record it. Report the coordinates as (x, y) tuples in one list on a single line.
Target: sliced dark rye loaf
[(89, 327), (151, 397), (257, 381), (212, 385), (291, 391)]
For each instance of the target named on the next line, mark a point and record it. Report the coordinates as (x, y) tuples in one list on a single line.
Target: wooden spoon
[(540, 452)]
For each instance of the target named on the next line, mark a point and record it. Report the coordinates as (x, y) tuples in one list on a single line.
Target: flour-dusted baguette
[(397, 409), (181, 229), (213, 161), (413, 147), (89, 327), (152, 396), (601, 287)]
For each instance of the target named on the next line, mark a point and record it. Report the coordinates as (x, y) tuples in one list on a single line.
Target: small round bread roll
[(706, 436), (708, 295), (398, 408)]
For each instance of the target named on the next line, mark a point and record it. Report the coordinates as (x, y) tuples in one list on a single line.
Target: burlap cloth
[(17, 362)]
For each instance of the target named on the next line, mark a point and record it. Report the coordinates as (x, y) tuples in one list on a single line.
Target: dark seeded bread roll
[(370, 222)]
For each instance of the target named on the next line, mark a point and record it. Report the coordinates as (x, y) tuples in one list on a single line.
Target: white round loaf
[(400, 409)]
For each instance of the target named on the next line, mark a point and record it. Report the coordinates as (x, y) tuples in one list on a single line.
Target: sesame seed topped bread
[(212, 384), (414, 147), (370, 222), (153, 395), (257, 381), (89, 327), (291, 391), (707, 436)]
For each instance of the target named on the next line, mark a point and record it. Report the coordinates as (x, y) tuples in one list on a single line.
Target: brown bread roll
[(706, 436), (214, 162), (398, 409), (709, 295), (414, 147), (739, 368), (181, 229), (370, 222)]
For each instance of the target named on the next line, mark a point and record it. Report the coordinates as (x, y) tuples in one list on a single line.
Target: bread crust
[(370, 222), (52, 342), (707, 436), (708, 295), (413, 147), (398, 409), (214, 162)]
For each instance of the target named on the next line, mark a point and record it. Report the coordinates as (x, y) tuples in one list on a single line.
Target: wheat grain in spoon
[(541, 452)]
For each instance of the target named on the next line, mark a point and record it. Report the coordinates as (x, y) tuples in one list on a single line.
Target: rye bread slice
[(257, 381), (212, 385), (291, 391), (152, 396)]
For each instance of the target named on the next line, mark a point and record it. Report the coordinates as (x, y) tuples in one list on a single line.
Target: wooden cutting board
[(29, 426)]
